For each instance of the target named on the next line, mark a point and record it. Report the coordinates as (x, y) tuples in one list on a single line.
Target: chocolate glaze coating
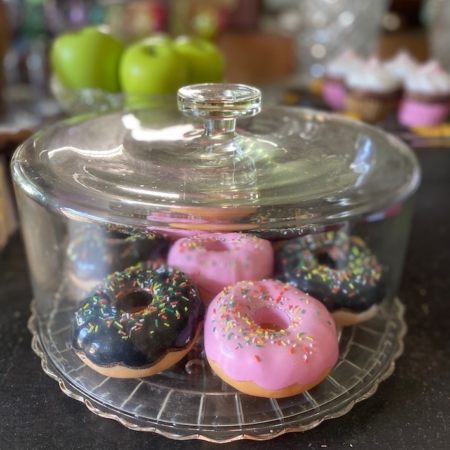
[(137, 316), (94, 253), (337, 269)]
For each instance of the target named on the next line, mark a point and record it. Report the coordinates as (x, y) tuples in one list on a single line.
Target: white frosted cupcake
[(336, 72), (426, 99), (372, 91), (402, 65)]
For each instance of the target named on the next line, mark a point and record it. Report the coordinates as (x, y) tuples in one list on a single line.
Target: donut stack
[(259, 308)]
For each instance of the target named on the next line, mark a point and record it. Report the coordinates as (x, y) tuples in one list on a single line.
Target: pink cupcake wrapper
[(333, 93), (414, 113)]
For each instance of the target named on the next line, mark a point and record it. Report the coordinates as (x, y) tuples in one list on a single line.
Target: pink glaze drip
[(215, 260), (298, 354)]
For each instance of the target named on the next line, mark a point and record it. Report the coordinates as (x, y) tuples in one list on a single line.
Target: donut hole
[(214, 245), (134, 301), (271, 319), (331, 257), (325, 259)]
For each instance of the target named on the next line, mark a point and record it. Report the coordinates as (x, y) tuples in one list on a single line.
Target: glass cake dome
[(291, 167), (94, 190)]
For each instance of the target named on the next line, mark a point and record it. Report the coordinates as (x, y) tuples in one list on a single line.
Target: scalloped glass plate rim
[(108, 412)]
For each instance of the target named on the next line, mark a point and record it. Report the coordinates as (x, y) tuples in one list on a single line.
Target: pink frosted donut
[(214, 261), (269, 339)]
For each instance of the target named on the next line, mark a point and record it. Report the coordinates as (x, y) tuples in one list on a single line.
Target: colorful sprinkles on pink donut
[(257, 335), (214, 261), (253, 329)]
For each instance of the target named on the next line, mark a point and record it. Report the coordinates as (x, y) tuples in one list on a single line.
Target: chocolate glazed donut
[(139, 322), (95, 253), (337, 269)]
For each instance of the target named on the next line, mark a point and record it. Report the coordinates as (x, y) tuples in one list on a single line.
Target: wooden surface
[(4, 43), (258, 58), (4, 38), (414, 41)]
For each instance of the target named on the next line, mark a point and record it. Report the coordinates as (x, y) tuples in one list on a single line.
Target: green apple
[(205, 61), (88, 58), (152, 66)]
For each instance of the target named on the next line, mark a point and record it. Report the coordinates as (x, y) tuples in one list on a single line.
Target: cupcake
[(371, 91), (426, 100), (401, 66), (333, 91)]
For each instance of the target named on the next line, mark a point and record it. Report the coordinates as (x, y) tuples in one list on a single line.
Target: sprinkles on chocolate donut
[(337, 269), (139, 322)]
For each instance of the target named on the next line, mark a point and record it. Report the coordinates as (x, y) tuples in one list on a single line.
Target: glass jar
[(328, 28), (102, 194)]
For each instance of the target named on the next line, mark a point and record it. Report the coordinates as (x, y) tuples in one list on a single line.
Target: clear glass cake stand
[(189, 402)]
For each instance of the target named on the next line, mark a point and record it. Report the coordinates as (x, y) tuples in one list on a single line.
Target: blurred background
[(295, 35)]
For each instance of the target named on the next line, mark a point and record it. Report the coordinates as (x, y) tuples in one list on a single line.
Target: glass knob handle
[(222, 167), (219, 101)]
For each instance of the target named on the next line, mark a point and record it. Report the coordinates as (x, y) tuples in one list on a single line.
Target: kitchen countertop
[(410, 410)]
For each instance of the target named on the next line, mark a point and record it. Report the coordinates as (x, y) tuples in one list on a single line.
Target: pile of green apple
[(93, 58)]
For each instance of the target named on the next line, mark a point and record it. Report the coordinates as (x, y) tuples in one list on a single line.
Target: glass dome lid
[(219, 161)]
